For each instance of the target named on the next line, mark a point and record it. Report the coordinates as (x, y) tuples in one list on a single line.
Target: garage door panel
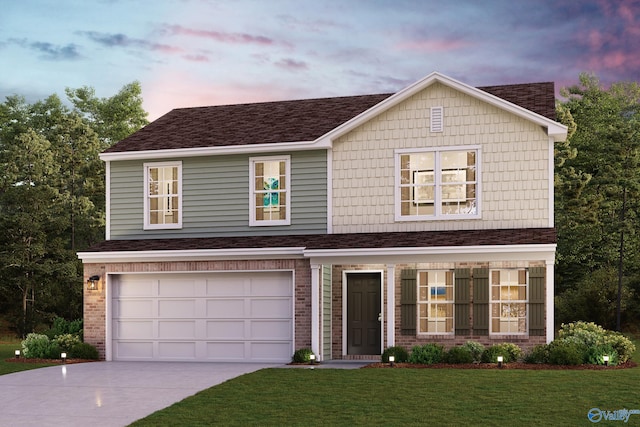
[(225, 329), (124, 350), (270, 288), (271, 308), (176, 350), (226, 351), (134, 308), (217, 316), (136, 288), (226, 286), (176, 288), (133, 329), (176, 329), (270, 351), (270, 330), (226, 308), (172, 308)]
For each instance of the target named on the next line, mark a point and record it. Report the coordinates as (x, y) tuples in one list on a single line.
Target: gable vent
[(437, 119)]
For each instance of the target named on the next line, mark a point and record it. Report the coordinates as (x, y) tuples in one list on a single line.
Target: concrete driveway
[(106, 393)]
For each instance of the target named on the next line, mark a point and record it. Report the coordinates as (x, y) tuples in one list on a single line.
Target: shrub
[(458, 355), (567, 352), (539, 354), (62, 326), (592, 335), (426, 354), (35, 346), (475, 348), (401, 355), (83, 350), (595, 355), (67, 341), (509, 352), (302, 355)]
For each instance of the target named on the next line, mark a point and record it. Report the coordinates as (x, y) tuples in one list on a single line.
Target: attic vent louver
[(437, 119)]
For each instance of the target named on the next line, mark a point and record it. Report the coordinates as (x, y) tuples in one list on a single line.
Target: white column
[(391, 305), (315, 310), (549, 302)]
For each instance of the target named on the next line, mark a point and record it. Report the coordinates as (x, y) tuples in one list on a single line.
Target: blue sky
[(209, 52)]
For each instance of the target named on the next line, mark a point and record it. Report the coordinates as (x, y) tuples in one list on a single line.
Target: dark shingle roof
[(288, 121), (529, 236)]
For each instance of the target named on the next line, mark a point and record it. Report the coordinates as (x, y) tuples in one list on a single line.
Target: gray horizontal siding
[(216, 198)]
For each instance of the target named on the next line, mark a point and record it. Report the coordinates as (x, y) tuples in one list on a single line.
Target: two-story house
[(347, 225)]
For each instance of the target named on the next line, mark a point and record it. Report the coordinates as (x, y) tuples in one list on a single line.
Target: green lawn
[(7, 351), (277, 397)]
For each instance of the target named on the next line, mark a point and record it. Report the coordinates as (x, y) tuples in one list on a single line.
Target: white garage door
[(203, 317)]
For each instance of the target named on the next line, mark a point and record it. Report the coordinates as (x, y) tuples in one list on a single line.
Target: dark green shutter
[(408, 297), (537, 284), (481, 301), (462, 300)]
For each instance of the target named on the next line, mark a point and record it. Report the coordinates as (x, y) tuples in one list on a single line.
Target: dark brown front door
[(363, 313)]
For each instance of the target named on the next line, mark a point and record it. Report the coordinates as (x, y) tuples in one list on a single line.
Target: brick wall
[(95, 300)]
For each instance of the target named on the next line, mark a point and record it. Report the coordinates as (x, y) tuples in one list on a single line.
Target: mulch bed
[(529, 366), (50, 361)]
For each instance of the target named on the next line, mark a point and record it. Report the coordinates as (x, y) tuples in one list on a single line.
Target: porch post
[(391, 305), (315, 310), (549, 302)]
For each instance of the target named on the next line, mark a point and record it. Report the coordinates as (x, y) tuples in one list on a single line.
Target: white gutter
[(214, 151), (189, 255)]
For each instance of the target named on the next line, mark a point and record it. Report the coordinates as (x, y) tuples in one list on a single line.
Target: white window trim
[(252, 198), (526, 304), (147, 224), (438, 216), (419, 302)]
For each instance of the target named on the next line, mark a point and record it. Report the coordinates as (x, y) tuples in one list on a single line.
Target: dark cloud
[(292, 64), (122, 40), (49, 51)]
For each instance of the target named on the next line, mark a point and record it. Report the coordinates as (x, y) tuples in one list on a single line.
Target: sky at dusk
[(209, 52)]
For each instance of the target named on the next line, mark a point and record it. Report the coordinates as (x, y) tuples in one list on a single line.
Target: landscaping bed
[(513, 365)]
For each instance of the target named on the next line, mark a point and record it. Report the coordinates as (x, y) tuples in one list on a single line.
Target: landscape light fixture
[(312, 358), (92, 283), (605, 358), (17, 353), (392, 360), (63, 356), (500, 360)]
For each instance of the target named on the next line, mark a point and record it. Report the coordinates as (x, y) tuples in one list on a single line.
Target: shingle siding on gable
[(514, 164), (216, 198)]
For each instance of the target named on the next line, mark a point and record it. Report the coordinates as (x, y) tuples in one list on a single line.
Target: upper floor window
[(269, 192), (435, 302), (509, 301), (163, 195), (437, 183)]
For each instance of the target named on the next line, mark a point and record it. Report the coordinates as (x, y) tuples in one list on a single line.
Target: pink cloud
[(196, 58), (223, 37), (170, 90)]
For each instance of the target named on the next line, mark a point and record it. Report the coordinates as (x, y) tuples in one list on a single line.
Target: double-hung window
[(269, 195), (163, 195), (437, 183), (509, 301), (435, 302)]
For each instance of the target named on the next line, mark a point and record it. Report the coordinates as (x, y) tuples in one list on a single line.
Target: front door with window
[(363, 313)]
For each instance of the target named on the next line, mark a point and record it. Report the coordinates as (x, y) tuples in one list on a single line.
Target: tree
[(597, 209), (52, 198)]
